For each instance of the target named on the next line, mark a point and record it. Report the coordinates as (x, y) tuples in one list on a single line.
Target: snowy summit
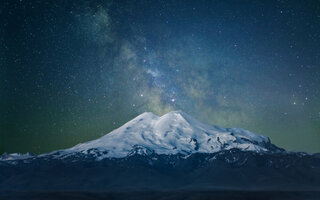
[(173, 133), (171, 151)]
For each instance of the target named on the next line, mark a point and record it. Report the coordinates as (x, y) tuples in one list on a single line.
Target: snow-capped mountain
[(173, 133), (174, 150)]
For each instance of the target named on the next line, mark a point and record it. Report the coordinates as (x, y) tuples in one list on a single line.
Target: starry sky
[(72, 71)]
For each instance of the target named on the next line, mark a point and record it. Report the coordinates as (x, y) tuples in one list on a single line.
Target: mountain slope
[(171, 151), (172, 133)]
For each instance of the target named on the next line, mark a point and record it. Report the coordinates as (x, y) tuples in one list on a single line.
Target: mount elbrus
[(174, 150)]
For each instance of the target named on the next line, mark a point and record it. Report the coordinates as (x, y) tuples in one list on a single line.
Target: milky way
[(72, 71)]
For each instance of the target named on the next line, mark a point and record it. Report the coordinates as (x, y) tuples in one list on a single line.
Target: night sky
[(72, 71)]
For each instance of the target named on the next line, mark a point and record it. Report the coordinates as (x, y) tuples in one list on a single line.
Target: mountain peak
[(171, 114), (176, 112), (177, 115), (173, 133), (146, 115)]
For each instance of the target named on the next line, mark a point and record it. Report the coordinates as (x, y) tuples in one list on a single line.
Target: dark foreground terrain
[(165, 195), (225, 169), (247, 175)]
